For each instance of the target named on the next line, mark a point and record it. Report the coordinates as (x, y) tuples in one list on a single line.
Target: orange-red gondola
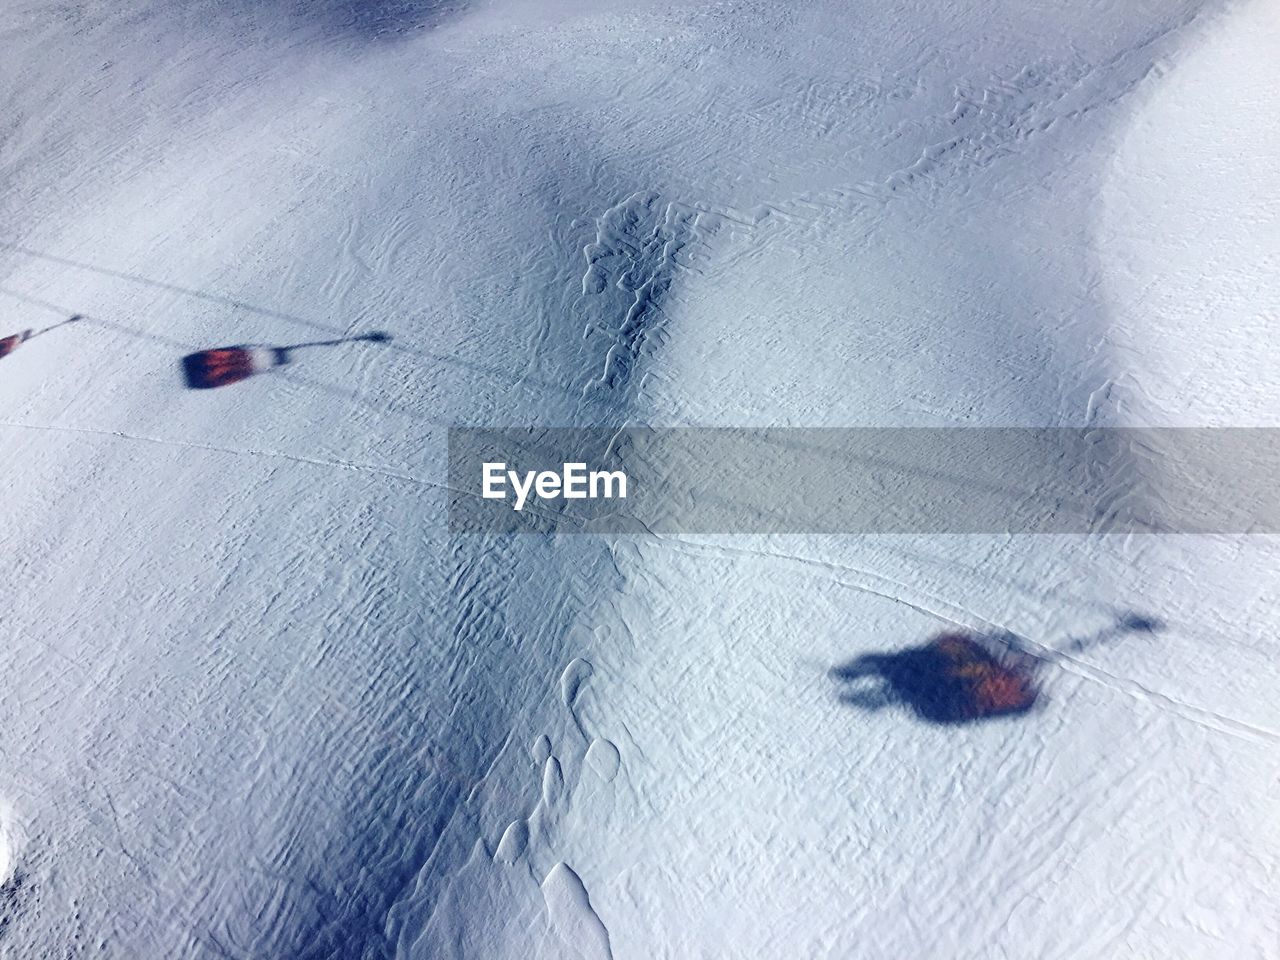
[(10, 344), (988, 686), (217, 368)]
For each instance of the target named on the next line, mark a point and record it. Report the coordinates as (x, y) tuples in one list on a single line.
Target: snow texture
[(258, 702)]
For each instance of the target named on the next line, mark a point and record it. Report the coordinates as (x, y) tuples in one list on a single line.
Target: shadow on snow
[(962, 678), (13, 342), (222, 366)]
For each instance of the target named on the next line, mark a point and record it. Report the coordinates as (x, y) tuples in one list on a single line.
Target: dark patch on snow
[(376, 20), (14, 893), (954, 678), (961, 678), (1128, 622), (638, 250), (222, 366)]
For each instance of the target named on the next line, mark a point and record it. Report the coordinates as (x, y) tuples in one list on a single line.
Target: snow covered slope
[(258, 702)]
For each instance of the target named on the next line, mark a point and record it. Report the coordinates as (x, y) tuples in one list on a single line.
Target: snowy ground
[(256, 700)]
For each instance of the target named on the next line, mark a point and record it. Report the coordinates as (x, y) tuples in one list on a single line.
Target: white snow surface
[(257, 701)]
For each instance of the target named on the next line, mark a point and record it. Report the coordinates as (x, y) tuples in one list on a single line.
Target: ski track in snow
[(232, 451), (644, 243)]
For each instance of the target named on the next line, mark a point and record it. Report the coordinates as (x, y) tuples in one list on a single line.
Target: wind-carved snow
[(11, 844), (514, 840), (259, 703), (583, 933), (642, 244)]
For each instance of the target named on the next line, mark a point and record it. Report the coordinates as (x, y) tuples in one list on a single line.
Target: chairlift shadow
[(223, 366), (14, 341), (958, 678)]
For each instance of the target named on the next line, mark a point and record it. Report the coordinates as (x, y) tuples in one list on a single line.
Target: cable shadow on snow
[(223, 366), (214, 298), (14, 341)]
